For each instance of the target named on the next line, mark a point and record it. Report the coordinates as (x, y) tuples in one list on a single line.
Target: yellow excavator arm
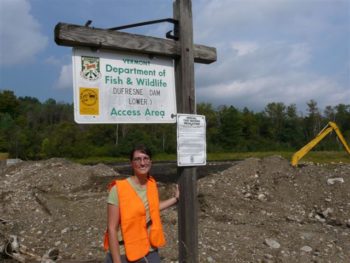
[(325, 131)]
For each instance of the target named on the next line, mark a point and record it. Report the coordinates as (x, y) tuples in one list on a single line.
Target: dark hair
[(142, 148)]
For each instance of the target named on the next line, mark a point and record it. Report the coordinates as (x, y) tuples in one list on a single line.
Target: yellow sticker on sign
[(89, 101)]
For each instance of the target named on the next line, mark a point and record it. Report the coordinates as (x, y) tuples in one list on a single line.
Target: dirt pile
[(257, 210), (267, 211), (55, 204)]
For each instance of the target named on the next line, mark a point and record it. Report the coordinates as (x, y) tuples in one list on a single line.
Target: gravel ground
[(254, 210)]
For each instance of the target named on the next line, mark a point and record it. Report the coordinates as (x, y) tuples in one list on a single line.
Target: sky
[(289, 51)]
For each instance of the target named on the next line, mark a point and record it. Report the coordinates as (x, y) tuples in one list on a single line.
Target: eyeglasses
[(138, 160)]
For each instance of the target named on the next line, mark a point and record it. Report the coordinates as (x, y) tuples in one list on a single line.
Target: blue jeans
[(151, 257)]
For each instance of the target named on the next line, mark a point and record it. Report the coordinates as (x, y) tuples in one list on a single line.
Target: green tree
[(342, 116), (67, 140), (7, 128), (230, 130), (136, 136), (313, 120), (250, 131), (329, 113), (212, 131), (293, 133), (8, 103), (277, 118)]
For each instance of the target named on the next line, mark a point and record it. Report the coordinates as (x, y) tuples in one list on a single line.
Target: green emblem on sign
[(90, 68)]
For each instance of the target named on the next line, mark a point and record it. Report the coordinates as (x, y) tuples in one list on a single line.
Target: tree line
[(30, 129)]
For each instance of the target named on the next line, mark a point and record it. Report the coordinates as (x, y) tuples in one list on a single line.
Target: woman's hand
[(177, 192), (171, 201)]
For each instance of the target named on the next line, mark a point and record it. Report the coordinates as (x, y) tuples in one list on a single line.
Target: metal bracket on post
[(173, 36)]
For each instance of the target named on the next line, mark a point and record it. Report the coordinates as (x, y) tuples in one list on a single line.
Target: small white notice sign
[(191, 140)]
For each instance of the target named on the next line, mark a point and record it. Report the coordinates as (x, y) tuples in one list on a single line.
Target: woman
[(134, 229)]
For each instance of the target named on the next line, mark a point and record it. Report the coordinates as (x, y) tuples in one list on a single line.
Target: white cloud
[(244, 48), (251, 60), (292, 88), (267, 19), (300, 54), (65, 80), (252, 75), (20, 34), (53, 61), (274, 51)]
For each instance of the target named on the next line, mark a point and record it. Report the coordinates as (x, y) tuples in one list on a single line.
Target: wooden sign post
[(186, 103), (185, 53)]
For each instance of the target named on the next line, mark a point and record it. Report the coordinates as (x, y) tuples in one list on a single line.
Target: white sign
[(116, 87), (191, 140)]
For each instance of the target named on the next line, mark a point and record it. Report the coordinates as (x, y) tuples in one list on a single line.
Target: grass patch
[(326, 157), (4, 156)]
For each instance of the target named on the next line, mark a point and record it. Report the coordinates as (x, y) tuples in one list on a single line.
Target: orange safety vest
[(137, 240)]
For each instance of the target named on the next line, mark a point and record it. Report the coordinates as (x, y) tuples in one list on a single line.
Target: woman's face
[(141, 163)]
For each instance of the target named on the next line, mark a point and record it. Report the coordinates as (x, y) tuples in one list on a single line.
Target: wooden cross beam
[(83, 36)]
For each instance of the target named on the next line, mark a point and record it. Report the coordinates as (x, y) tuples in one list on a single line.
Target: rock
[(306, 249), (57, 243), (332, 181), (320, 219), (50, 256), (327, 212), (272, 243), (12, 245), (10, 162), (247, 195), (307, 235), (65, 230), (262, 197), (210, 259)]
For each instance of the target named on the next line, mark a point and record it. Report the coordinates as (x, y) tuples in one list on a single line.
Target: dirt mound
[(55, 204), (267, 211), (257, 210)]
